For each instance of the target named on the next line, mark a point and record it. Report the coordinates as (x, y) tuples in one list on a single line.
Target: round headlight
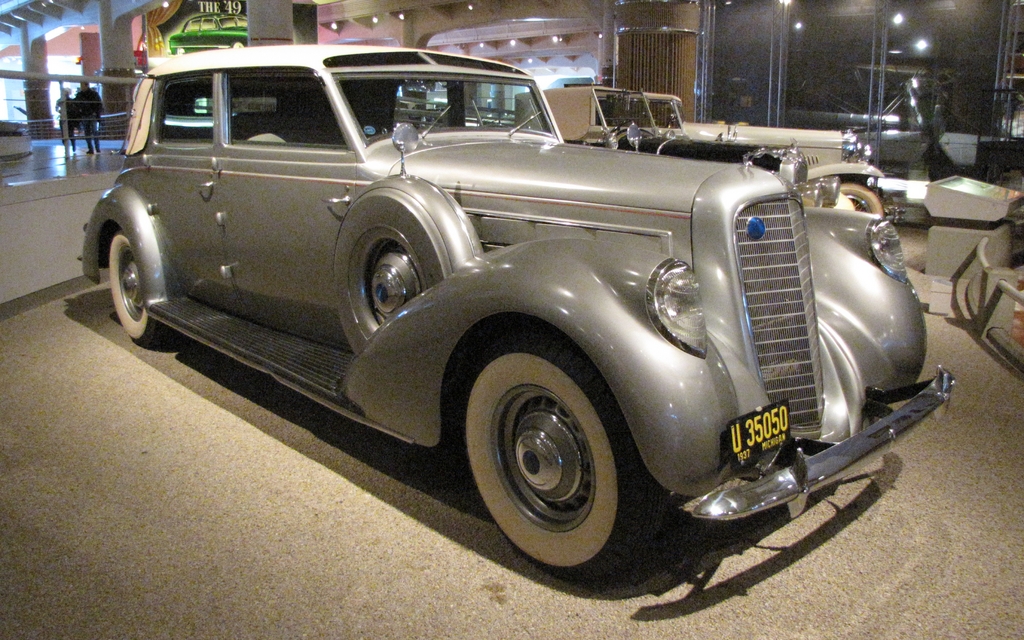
[(886, 248), (673, 302)]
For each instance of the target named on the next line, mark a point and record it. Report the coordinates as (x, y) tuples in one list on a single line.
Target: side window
[(289, 109), (188, 110)]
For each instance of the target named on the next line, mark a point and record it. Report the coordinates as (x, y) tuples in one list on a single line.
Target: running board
[(311, 368)]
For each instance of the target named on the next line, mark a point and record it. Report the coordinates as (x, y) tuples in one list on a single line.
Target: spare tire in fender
[(400, 237)]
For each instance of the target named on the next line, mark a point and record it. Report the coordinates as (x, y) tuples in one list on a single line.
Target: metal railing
[(38, 101), (113, 126)]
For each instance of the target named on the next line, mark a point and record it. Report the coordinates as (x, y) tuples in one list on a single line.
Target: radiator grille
[(776, 274)]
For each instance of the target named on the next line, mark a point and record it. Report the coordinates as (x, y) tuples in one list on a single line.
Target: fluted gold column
[(657, 47)]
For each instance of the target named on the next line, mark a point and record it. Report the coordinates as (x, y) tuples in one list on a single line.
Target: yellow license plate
[(752, 434)]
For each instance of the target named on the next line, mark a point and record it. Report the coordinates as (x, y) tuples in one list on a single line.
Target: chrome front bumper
[(807, 474)]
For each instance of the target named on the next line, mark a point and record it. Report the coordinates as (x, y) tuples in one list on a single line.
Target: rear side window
[(289, 109), (188, 110)]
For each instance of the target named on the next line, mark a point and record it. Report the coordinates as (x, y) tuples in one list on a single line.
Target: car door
[(181, 188), (286, 174)]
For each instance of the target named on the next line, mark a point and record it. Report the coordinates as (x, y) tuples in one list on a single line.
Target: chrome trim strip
[(794, 484)]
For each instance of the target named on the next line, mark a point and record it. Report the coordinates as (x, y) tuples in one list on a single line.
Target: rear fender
[(122, 208)]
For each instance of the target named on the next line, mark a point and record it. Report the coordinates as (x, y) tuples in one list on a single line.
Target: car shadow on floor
[(435, 486)]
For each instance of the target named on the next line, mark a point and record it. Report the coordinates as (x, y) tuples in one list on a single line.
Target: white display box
[(966, 199)]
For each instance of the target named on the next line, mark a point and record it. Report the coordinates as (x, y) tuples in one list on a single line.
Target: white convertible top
[(315, 56)]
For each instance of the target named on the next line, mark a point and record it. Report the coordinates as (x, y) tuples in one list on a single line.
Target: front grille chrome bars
[(775, 269)]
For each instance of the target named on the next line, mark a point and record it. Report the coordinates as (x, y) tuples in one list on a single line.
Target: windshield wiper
[(522, 124), (436, 120)]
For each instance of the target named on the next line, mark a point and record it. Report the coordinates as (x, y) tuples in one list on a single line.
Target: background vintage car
[(403, 236), (590, 114), (210, 31)]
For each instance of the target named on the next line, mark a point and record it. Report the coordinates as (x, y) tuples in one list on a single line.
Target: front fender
[(123, 208), (844, 170), (594, 292), (870, 321)]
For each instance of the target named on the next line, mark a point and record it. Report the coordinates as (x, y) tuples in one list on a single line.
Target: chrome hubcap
[(547, 455), (131, 292), (546, 463), (393, 283)]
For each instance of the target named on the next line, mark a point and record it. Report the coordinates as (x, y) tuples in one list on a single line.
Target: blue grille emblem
[(755, 228)]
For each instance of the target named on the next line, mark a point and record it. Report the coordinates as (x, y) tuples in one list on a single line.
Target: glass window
[(188, 110), (443, 104), (665, 114), (623, 109), (282, 109)]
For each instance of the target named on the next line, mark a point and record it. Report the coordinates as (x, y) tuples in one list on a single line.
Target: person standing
[(91, 106), (65, 104)]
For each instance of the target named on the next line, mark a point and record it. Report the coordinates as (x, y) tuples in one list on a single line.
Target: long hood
[(565, 172), (770, 136)]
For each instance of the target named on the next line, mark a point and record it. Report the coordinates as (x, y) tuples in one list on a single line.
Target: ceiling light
[(334, 26), (511, 43), (897, 19), (374, 19), (470, 7), (401, 16), (921, 45)]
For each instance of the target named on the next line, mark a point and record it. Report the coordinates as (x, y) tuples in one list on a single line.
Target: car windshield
[(433, 104), (623, 109), (666, 113)]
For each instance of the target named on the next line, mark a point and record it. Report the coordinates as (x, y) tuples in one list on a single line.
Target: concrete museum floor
[(150, 494)]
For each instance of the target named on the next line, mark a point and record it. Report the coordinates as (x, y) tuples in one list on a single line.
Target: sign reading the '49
[(198, 25), (227, 6)]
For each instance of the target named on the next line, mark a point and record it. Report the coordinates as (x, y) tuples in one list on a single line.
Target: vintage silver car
[(403, 236), (599, 116)]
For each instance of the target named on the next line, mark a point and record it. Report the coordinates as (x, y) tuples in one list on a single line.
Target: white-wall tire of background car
[(126, 288), (403, 228), (555, 463), (864, 199)]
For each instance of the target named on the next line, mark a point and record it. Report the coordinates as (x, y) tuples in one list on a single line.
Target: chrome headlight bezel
[(886, 249), (851, 147), (854, 150), (674, 306)]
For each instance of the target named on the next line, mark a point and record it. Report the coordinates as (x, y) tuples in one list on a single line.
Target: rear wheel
[(129, 300), (863, 198), (555, 462)]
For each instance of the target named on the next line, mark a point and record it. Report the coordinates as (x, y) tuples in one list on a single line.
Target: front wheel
[(129, 301), (555, 463), (863, 198)]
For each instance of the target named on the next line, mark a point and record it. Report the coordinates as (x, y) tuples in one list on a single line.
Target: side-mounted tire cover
[(402, 236)]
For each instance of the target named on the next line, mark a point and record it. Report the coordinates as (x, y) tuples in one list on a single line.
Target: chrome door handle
[(338, 206)]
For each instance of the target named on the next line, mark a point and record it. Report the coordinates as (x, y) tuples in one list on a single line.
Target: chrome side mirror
[(405, 138), (634, 134)]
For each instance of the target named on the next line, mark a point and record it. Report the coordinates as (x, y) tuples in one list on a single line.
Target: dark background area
[(830, 60)]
